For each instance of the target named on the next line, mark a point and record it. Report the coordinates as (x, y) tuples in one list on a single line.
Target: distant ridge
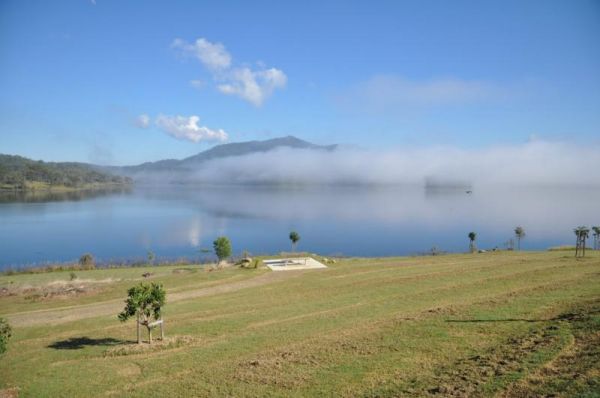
[(222, 151), (20, 173)]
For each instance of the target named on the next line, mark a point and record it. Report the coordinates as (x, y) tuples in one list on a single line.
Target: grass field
[(492, 324)]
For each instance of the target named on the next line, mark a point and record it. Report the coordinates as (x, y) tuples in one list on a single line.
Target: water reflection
[(177, 221), (59, 196)]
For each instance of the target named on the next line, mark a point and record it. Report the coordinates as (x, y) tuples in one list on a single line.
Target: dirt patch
[(576, 368), (485, 373), (272, 369), (56, 289), (469, 376), (129, 370), (12, 392), (184, 270), (5, 292)]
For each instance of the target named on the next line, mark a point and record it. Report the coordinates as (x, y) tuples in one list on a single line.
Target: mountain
[(222, 151), (17, 172), (245, 148)]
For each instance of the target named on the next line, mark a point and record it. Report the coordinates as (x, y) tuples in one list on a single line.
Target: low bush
[(5, 333)]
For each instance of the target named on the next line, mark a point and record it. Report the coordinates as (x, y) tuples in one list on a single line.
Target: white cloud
[(252, 85), (142, 121), (213, 55), (187, 128)]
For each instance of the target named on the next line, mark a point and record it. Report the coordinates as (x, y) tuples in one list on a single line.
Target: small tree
[(520, 234), (472, 246), (294, 237), (86, 261), (5, 333), (581, 233), (596, 235), (145, 302), (222, 247), (151, 256)]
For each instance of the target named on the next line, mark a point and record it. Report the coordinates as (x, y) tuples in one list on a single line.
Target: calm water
[(178, 222)]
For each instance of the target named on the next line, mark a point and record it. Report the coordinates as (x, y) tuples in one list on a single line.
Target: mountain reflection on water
[(177, 221)]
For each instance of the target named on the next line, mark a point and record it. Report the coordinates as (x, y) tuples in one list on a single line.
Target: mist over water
[(534, 163), (177, 221)]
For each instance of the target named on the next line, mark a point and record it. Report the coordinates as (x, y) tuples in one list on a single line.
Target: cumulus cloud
[(187, 128), (212, 55), (533, 163), (252, 85), (142, 121)]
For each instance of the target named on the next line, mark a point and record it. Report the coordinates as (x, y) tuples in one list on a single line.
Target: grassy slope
[(497, 323)]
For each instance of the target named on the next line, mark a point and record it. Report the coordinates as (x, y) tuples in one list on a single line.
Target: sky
[(123, 82)]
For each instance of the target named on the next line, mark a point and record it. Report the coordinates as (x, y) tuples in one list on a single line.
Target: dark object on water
[(469, 192)]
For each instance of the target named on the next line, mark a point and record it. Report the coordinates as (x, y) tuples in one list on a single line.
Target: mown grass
[(518, 324)]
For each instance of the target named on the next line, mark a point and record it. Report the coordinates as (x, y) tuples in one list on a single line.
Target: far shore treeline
[(19, 173)]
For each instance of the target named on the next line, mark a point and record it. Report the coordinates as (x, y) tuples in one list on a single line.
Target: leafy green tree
[(472, 246), (5, 333), (596, 235), (222, 247), (520, 234), (145, 302), (294, 237)]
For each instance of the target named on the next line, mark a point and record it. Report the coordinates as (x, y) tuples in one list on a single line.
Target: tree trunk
[(518, 243), (149, 334), (139, 337), (472, 247)]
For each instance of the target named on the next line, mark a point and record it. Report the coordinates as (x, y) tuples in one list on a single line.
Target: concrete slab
[(291, 264)]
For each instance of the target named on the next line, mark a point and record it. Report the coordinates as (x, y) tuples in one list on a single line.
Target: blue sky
[(75, 76)]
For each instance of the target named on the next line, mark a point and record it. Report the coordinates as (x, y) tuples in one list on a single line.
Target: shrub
[(222, 247), (86, 261), (72, 276), (5, 333)]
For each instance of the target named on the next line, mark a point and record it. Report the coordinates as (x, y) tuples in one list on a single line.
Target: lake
[(179, 221)]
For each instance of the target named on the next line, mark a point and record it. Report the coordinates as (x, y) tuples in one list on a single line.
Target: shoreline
[(48, 188), (208, 260)]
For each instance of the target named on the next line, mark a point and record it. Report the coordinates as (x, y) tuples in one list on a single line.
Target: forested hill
[(17, 172)]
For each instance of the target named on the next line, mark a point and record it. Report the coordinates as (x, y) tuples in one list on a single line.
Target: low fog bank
[(534, 163)]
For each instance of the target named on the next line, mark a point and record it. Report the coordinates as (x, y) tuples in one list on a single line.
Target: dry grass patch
[(131, 348), (58, 289)]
